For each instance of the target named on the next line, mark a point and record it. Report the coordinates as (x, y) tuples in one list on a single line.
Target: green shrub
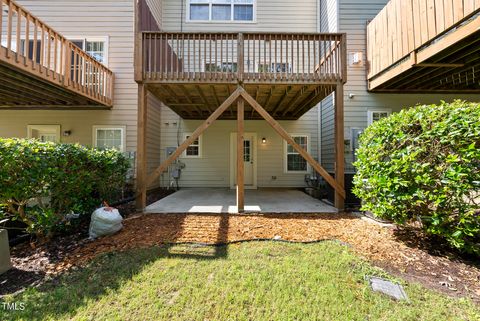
[(423, 164), (40, 183)]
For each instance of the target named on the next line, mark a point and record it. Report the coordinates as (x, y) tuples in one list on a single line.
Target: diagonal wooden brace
[(219, 111), (283, 133)]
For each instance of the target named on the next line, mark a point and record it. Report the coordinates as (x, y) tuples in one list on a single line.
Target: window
[(294, 162), (374, 115), (96, 48), (105, 137), (222, 67), (44, 133), (221, 10), (273, 67), (195, 149)]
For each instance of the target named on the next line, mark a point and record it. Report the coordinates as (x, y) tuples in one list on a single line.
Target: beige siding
[(275, 16), (74, 19), (112, 20), (213, 169)]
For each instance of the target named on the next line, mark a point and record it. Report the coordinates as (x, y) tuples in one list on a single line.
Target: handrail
[(405, 26), (243, 57), (27, 41)]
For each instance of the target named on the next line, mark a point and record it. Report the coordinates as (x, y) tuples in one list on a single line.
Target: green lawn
[(249, 281)]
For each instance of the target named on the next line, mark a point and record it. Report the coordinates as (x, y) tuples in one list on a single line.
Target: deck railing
[(33, 45), (406, 25), (243, 57)]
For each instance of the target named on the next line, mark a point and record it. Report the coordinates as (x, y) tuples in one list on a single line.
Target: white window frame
[(56, 127), (200, 147), (370, 113), (123, 129), (188, 20), (105, 40), (285, 155)]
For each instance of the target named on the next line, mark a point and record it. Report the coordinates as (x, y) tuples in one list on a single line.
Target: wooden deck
[(242, 76), (40, 69), (425, 46), (288, 74)]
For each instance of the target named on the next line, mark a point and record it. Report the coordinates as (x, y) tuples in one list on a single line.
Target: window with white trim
[(96, 48), (294, 162), (44, 133), (374, 115), (194, 150), (105, 137), (221, 10)]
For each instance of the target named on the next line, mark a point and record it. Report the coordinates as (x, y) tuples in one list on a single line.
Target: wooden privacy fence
[(243, 57), (406, 25), (29, 42)]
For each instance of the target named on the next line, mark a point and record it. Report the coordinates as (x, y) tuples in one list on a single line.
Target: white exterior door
[(249, 160)]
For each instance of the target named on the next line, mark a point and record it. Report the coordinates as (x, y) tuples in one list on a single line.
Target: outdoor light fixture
[(67, 133), (264, 140)]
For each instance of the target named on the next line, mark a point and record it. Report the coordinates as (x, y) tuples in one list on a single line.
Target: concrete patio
[(222, 200)]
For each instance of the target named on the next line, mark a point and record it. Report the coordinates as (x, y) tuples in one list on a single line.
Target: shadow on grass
[(63, 296)]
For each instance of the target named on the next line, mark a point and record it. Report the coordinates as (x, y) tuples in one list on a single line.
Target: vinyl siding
[(112, 20), (85, 19), (213, 168), (271, 15)]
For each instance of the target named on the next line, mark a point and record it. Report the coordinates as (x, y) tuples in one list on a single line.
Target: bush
[(423, 164), (40, 183)]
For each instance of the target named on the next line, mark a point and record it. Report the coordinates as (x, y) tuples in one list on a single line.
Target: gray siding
[(353, 17)]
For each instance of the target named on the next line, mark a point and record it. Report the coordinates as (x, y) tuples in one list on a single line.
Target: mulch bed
[(385, 247), (34, 264)]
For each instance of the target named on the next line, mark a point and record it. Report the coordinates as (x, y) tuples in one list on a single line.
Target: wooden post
[(141, 199), (339, 146), (138, 52), (240, 160)]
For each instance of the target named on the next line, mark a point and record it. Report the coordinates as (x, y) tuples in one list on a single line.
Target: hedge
[(423, 164), (41, 183)]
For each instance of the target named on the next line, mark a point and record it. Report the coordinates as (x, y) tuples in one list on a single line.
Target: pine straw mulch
[(405, 253), (398, 251)]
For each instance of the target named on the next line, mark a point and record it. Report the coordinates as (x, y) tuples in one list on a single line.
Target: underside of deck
[(41, 69), (26, 90), (283, 101), (414, 47), (456, 68)]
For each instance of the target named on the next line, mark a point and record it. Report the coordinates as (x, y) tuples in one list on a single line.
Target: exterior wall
[(213, 168), (271, 15), (73, 19), (352, 18), (112, 20)]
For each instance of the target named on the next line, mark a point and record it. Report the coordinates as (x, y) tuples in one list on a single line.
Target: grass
[(249, 281)]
